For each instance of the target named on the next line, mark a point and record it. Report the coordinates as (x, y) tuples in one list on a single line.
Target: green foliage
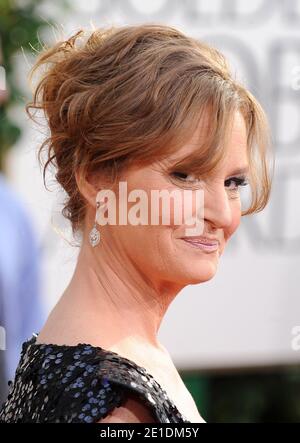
[(20, 24), (261, 396), (18, 27)]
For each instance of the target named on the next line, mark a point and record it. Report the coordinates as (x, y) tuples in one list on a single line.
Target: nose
[(217, 208)]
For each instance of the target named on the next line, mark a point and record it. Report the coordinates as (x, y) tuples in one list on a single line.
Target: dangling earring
[(94, 236)]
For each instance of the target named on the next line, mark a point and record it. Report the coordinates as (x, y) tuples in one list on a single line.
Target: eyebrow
[(242, 170)]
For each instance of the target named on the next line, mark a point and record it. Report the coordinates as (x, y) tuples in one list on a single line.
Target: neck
[(115, 301)]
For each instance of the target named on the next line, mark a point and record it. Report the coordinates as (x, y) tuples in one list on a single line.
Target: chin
[(201, 273), (202, 278)]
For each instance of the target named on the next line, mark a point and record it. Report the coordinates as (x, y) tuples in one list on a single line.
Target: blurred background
[(235, 339)]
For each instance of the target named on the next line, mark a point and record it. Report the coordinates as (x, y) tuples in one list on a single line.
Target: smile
[(208, 247)]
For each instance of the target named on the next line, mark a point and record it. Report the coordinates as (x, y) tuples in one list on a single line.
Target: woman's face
[(161, 252)]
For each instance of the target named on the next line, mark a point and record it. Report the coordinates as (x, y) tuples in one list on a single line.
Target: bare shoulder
[(132, 411)]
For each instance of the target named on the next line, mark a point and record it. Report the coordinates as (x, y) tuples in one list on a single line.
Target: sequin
[(88, 419), (79, 384)]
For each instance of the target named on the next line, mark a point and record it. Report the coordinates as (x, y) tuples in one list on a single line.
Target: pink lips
[(203, 243)]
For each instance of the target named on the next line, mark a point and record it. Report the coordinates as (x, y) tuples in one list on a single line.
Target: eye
[(234, 183), (189, 178)]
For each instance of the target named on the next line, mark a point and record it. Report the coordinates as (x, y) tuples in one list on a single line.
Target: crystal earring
[(94, 236)]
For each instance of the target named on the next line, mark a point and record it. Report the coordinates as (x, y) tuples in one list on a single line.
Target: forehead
[(236, 159), (235, 143), (238, 133), (194, 155)]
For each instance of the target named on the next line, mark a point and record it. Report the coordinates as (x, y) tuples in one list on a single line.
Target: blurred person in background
[(21, 307), (20, 302)]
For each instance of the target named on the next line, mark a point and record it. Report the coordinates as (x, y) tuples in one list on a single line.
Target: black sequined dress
[(82, 383)]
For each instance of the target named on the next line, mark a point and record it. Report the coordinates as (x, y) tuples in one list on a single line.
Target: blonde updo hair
[(134, 94)]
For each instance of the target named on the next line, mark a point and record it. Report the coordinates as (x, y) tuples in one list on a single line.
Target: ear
[(88, 187)]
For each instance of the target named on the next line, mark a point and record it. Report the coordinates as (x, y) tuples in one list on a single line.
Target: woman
[(151, 109)]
